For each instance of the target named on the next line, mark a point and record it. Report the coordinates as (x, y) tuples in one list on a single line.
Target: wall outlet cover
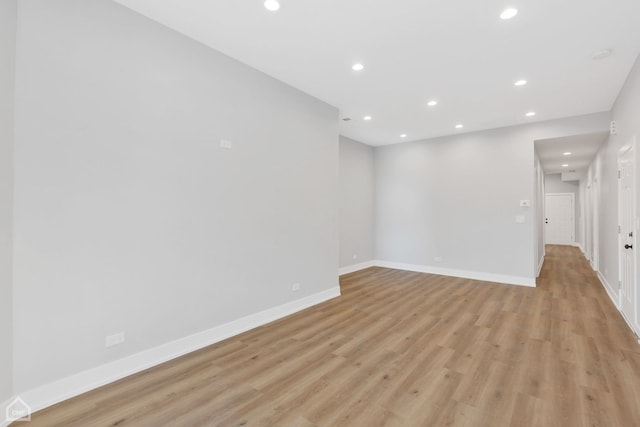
[(114, 339)]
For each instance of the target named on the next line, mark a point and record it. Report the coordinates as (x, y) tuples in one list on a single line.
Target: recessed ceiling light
[(601, 54), (459, 126), (565, 165), (272, 5), (404, 135), (509, 13), (568, 153), (432, 103), (357, 67), (367, 118), (530, 114), (520, 83)]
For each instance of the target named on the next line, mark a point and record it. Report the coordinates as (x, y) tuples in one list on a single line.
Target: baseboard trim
[(540, 264), (485, 277), (610, 291), (614, 299), (355, 267), (66, 388), (630, 324)]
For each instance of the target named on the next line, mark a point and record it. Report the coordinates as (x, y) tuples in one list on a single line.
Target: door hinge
[(619, 174), (619, 284), (619, 230)]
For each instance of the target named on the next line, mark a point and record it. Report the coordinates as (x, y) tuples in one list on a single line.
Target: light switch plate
[(520, 219), (525, 203)]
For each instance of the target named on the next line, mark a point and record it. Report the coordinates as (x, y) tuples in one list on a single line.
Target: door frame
[(631, 146), (595, 218), (573, 204)]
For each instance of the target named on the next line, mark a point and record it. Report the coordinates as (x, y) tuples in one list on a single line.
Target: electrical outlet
[(295, 287), (226, 144), (355, 256), (114, 339)]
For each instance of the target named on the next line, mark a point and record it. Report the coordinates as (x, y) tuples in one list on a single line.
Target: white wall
[(555, 184), (356, 202), (129, 216), (457, 198), (8, 9), (626, 112), (538, 225)]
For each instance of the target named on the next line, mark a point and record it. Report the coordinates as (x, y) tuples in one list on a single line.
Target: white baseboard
[(540, 264), (630, 324), (615, 299), (486, 277), (82, 382), (610, 291), (355, 267)]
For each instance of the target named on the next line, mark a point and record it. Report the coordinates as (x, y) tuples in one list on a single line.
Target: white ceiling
[(583, 149), (456, 51)]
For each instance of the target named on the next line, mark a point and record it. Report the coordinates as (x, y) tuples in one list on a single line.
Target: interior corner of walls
[(464, 274), (74, 385), (355, 267)]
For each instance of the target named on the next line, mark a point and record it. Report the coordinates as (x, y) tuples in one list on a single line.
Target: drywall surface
[(130, 216), (452, 202), (539, 206), (603, 176), (8, 18), (356, 202)]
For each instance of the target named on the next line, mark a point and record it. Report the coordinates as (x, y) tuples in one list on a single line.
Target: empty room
[(319, 213)]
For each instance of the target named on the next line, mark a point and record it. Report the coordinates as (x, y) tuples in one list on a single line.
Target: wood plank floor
[(402, 349)]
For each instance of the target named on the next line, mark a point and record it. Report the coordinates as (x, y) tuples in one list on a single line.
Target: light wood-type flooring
[(401, 349)]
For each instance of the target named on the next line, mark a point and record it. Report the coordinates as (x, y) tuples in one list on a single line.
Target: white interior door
[(626, 192), (559, 219)]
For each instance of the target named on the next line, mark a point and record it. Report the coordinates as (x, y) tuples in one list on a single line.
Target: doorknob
[(628, 246)]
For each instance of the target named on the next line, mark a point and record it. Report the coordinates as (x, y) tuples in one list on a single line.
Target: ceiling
[(583, 149), (458, 52)]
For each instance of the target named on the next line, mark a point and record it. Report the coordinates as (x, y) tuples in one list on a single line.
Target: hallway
[(599, 377)]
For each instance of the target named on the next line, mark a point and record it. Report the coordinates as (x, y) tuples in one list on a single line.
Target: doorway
[(627, 231), (559, 218)]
